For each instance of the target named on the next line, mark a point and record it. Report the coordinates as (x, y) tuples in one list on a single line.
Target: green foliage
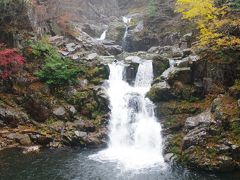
[(41, 49), (152, 8), (56, 70)]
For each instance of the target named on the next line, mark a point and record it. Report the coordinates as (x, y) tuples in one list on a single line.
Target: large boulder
[(183, 75), (160, 92), (12, 117), (160, 64), (130, 72)]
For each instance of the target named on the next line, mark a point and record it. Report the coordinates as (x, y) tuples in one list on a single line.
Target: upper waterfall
[(103, 36)]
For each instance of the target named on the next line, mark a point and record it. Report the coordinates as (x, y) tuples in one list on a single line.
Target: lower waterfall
[(135, 135)]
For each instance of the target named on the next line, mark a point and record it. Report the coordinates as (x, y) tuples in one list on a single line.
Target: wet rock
[(131, 73)]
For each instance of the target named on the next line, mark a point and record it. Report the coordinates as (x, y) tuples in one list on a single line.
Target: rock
[(41, 139), (187, 52), (22, 139), (184, 63), (204, 120), (196, 129), (226, 163), (31, 149), (64, 53), (57, 40), (130, 72), (60, 112), (92, 56), (38, 108), (160, 92), (80, 134), (114, 49), (133, 59), (215, 104), (180, 74), (71, 47), (170, 157), (167, 51), (79, 123), (73, 110), (12, 117), (194, 138), (160, 64), (188, 39), (107, 59), (235, 90)]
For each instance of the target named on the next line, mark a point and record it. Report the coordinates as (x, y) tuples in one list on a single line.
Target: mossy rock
[(160, 64)]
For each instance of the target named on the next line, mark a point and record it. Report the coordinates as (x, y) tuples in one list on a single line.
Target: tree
[(217, 25), (10, 61)]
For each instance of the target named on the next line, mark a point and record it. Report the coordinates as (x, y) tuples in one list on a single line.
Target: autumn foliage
[(10, 61), (219, 25)]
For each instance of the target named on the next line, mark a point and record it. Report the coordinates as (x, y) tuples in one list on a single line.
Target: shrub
[(56, 70), (152, 8), (10, 61), (40, 49)]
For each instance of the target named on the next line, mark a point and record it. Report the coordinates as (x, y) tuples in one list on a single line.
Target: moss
[(176, 144), (235, 127), (50, 121)]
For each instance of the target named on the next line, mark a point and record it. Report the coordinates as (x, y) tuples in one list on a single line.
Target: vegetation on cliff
[(217, 22)]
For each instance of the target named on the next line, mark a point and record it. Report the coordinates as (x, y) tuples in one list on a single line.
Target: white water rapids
[(135, 135)]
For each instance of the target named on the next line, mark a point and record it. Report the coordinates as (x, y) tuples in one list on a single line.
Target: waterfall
[(126, 21), (135, 135), (103, 36)]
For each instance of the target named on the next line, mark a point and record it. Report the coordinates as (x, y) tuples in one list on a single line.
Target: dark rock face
[(12, 117), (39, 109), (214, 72), (130, 73), (182, 75)]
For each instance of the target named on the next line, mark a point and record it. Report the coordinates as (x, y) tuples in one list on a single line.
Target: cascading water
[(135, 135), (103, 36), (126, 21)]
